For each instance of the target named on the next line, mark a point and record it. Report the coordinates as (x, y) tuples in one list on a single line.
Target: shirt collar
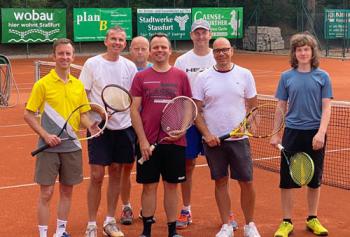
[(57, 78)]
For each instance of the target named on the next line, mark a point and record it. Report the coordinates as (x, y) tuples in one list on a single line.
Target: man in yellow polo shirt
[(56, 95)]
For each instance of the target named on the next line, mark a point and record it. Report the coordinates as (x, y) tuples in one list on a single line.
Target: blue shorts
[(194, 143)]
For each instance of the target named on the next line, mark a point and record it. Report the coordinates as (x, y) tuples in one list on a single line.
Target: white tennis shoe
[(225, 231), (250, 230)]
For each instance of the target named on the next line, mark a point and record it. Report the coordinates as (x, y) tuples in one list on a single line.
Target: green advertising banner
[(224, 22), (23, 25), (336, 23), (91, 24), (176, 23)]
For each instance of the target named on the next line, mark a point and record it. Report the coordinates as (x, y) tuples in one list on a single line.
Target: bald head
[(221, 43), (139, 40), (223, 53), (139, 51)]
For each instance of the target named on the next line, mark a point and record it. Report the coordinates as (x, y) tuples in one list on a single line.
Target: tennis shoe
[(127, 216), (184, 219), (284, 229), (250, 230), (225, 231), (111, 229), (316, 227), (91, 231), (64, 234), (233, 222)]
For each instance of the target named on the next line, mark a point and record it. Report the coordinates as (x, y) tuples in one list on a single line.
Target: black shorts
[(167, 160), (113, 146), (295, 140)]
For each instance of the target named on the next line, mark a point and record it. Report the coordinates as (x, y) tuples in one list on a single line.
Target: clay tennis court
[(18, 193)]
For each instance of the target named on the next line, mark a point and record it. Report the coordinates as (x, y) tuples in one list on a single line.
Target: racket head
[(178, 115), (116, 98), (301, 168), (260, 121), (95, 114), (72, 129)]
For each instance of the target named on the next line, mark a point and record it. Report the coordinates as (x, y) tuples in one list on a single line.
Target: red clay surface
[(18, 193)]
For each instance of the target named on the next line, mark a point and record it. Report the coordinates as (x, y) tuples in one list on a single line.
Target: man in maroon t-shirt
[(151, 90)]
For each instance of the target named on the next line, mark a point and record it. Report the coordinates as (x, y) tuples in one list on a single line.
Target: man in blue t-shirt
[(308, 92)]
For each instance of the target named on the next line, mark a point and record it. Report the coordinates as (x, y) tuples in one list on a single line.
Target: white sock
[(42, 230), (93, 223), (109, 219), (186, 208), (61, 227), (126, 205)]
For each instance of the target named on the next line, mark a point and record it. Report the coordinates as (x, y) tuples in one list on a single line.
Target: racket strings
[(301, 168), (178, 116), (261, 123), (116, 98)]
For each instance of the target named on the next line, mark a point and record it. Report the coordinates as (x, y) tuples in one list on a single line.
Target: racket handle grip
[(142, 160), (280, 147), (40, 149), (224, 137)]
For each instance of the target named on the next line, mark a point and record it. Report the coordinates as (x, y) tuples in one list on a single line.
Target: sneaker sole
[(126, 222), (320, 234), (283, 235), (184, 226), (118, 235)]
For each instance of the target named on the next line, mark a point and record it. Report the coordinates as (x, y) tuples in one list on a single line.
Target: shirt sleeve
[(136, 86), (133, 71), (251, 88), (187, 88), (327, 91), (86, 76), (198, 88), (36, 99), (281, 92)]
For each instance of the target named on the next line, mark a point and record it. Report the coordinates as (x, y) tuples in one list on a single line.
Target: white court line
[(18, 135), (85, 178), (13, 125)]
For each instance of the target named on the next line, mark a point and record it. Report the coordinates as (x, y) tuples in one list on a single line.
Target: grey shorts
[(68, 166), (230, 154)]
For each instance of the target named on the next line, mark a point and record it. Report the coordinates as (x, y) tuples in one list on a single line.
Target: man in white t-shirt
[(115, 149), (194, 62), (224, 93)]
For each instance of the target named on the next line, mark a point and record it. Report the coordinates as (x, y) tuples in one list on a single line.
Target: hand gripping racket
[(177, 116), (116, 98), (94, 114), (258, 123), (301, 166)]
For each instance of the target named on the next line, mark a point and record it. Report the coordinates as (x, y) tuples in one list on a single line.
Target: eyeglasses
[(221, 50)]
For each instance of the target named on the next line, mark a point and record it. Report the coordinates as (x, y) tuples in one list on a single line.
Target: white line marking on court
[(13, 125), (85, 178), (18, 135)]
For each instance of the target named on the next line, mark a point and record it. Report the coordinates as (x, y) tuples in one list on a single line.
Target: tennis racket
[(93, 113), (301, 166), (258, 123), (115, 98), (177, 116)]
